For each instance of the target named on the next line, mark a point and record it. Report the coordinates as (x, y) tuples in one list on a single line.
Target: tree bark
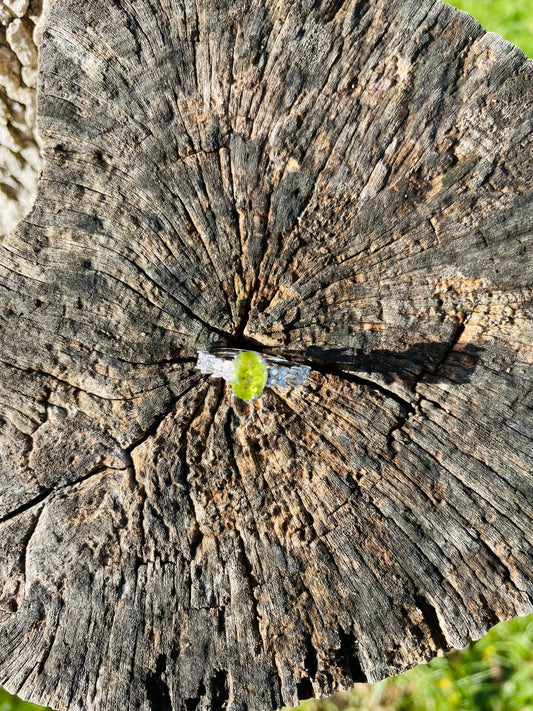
[(346, 184)]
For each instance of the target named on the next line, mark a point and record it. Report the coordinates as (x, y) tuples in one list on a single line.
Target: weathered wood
[(21, 22), (347, 184)]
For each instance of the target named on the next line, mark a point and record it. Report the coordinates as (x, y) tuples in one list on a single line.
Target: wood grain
[(347, 184)]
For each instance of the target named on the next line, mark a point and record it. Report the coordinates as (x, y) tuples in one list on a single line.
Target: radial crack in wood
[(348, 185)]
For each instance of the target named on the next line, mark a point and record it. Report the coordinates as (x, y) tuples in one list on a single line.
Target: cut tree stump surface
[(346, 184)]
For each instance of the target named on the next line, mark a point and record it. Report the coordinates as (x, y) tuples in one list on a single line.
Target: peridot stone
[(250, 375)]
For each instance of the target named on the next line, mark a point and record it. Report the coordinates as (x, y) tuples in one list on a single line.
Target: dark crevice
[(430, 616), (157, 690), (221, 620), (239, 333), (331, 9), (305, 689), (490, 616), (220, 691), (94, 472), (347, 659), (358, 12), (195, 538), (192, 703), (276, 693), (311, 661), (454, 341), (433, 403), (27, 506), (246, 563), (47, 492)]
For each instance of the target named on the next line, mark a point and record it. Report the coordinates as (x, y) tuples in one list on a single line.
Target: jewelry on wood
[(249, 372)]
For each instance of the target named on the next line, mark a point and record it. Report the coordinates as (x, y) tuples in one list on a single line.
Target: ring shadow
[(438, 361)]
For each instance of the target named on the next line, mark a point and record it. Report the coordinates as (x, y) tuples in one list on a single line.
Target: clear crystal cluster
[(284, 376), (216, 367)]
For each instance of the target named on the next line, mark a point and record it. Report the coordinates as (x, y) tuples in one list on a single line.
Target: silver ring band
[(219, 363)]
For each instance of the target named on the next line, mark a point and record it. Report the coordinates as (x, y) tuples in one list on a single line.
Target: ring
[(250, 372)]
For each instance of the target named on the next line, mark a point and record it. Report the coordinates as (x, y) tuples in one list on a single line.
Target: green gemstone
[(250, 375)]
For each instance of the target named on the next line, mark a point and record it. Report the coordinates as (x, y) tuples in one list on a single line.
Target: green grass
[(12, 703), (493, 674), (512, 19)]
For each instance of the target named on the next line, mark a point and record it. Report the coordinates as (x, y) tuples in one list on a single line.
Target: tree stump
[(345, 184)]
